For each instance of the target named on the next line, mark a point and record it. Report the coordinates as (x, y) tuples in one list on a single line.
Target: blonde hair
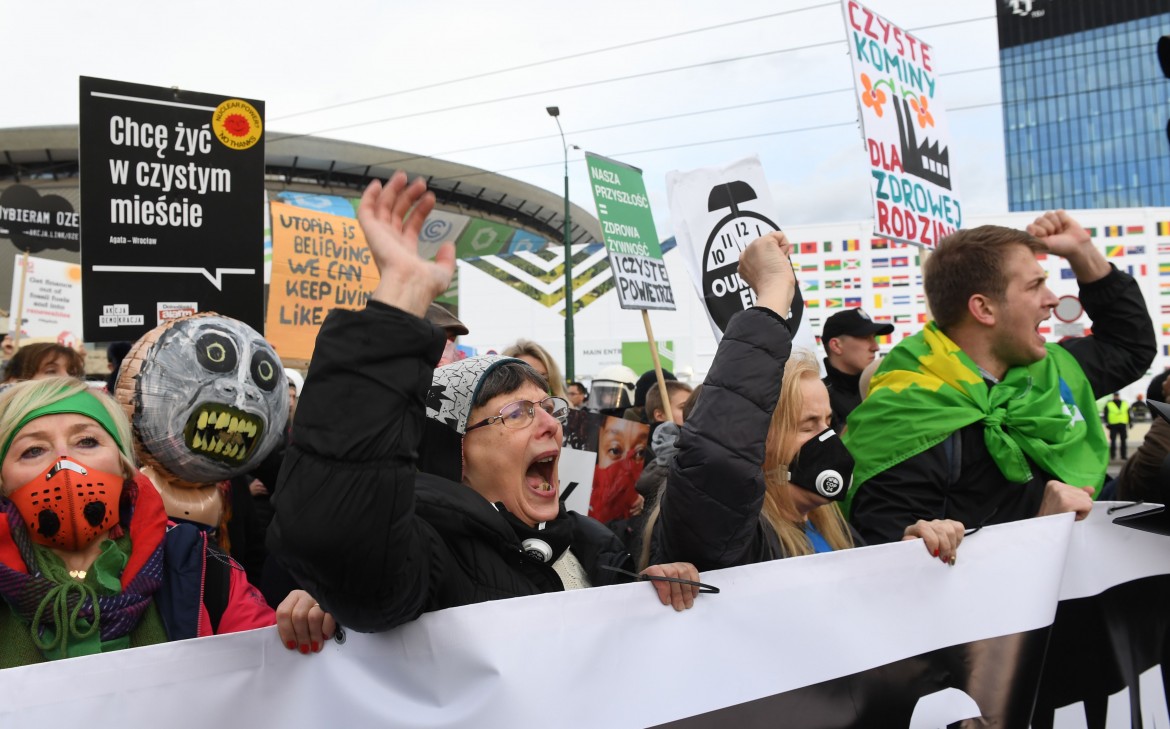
[(556, 383), (22, 398), (779, 510)]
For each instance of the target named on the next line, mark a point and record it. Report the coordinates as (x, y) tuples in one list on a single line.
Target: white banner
[(52, 300), (904, 123), (610, 657), (716, 213)]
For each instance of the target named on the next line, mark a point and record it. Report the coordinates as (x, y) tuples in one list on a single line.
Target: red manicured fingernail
[(305, 649), (290, 644), (316, 646), (936, 553)]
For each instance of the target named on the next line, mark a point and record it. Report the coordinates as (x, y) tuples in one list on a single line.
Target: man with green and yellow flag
[(977, 418)]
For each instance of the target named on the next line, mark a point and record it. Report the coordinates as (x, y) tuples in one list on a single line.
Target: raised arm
[(1123, 343), (715, 488), (345, 525)]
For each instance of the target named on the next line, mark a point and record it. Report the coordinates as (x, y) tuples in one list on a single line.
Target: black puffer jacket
[(715, 488), (371, 538)]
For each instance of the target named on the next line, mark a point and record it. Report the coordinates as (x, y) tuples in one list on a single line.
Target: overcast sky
[(299, 56)]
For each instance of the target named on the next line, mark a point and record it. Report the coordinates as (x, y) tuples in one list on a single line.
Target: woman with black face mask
[(758, 469)]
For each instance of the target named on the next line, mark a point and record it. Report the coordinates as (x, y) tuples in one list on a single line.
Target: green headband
[(80, 403)]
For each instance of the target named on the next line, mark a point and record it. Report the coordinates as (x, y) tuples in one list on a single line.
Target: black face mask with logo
[(823, 466)]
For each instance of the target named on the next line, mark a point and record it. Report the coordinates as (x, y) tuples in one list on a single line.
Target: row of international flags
[(904, 318), (856, 282), (837, 282), (846, 246), (1161, 228)]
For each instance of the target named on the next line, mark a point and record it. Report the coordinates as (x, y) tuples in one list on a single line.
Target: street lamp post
[(555, 113)]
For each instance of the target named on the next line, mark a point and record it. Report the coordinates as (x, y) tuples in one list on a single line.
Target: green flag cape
[(928, 388)]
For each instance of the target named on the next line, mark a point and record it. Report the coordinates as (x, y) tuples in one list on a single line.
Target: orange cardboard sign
[(319, 262)]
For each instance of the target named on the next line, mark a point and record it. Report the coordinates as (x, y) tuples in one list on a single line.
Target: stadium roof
[(315, 164)]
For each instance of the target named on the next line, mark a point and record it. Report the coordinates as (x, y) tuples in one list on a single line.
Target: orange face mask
[(69, 505)]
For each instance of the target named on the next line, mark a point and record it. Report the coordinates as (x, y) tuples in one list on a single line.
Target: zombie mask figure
[(208, 400)]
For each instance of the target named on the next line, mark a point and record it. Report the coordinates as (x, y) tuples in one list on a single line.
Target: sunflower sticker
[(237, 124)]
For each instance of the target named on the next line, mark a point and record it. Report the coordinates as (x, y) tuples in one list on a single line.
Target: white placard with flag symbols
[(717, 212)]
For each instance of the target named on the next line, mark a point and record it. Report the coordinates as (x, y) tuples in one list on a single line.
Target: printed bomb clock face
[(207, 396), (725, 292)]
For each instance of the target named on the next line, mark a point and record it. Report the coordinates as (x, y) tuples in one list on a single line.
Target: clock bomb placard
[(627, 227), (172, 205), (905, 129), (717, 213)]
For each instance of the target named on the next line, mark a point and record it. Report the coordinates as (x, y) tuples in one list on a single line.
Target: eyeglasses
[(520, 413)]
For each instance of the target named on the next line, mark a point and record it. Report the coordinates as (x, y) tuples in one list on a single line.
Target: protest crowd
[(401, 479)]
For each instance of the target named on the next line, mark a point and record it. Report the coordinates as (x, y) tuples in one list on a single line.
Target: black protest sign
[(172, 204), (36, 222)]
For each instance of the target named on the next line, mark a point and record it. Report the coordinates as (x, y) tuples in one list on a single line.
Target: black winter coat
[(710, 509), (371, 538)]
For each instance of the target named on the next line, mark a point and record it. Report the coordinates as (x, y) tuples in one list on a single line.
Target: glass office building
[(1085, 103)]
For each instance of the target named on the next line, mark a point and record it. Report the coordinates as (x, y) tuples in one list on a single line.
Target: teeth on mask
[(231, 450), (197, 443), (202, 420), (233, 425), (219, 446), (223, 421)]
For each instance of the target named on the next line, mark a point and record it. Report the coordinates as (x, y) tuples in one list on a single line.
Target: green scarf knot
[(58, 627), (994, 419), (64, 615)]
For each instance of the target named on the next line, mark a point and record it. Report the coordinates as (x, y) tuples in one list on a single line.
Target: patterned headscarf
[(455, 386)]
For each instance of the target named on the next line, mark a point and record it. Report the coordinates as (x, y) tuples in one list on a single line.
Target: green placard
[(627, 227), (636, 356)]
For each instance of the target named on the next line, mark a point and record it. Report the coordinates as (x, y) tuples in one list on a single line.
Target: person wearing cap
[(454, 328), (850, 342), (758, 469), (977, 417), (409, 488)]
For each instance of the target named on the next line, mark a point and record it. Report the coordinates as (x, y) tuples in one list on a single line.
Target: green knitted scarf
[(927, 388)]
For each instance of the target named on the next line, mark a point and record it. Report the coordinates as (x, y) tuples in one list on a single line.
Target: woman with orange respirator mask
[(88, 561)]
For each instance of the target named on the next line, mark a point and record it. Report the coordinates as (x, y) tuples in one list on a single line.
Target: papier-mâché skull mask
[(207, 397)]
